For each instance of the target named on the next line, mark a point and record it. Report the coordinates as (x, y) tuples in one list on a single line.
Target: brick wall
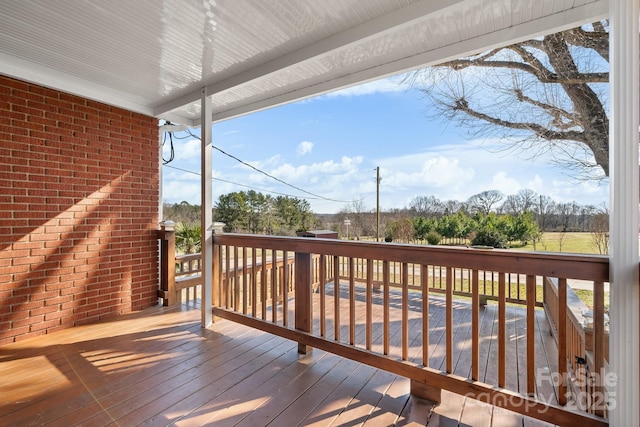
[(78, 210)]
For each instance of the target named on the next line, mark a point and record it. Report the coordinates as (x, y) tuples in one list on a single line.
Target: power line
[(315, 196), (241, 185)]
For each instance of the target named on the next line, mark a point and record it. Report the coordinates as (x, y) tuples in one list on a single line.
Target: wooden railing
[(583, 342), (245, 292), (188, 278), (515, 284)]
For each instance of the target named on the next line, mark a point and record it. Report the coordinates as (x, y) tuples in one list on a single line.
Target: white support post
[(206, 213), (624, 347)]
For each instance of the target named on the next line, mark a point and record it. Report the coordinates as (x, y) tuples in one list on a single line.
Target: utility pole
[(378, 204)]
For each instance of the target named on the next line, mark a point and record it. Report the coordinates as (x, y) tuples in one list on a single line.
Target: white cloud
[(189, 150), (305, 173), (425, 171), (304, 147), (505, 184), (176, 190), (272, 161)]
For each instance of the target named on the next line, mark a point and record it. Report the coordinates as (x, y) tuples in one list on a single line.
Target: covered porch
[(113, 70), (159, 367)]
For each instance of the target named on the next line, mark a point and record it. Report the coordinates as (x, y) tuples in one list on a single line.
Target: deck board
[(158, 367)]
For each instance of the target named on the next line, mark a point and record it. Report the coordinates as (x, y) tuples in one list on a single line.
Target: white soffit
[(154, 56)]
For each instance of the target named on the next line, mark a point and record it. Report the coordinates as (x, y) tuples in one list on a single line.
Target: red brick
[(72, 250)]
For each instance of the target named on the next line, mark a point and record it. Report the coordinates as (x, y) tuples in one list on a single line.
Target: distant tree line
[(246, 212), (486, 218), (515, 218), (257, 213), (496, 230)]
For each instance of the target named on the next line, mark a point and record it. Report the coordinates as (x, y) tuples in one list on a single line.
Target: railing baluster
[(352, 302), (274, 286), (245, 287), (405, 310), (385, 306), (562, 340), (369, 304), (285, 288), (598, 347), (236, 280), (323, 300), (227, 277), (449, 319), (531, 336), (254, 284), (475, 326), (263, 283), (336, 298), (502, 331)]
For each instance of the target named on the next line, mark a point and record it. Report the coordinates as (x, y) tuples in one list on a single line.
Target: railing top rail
[(570, 266), (188, 257)]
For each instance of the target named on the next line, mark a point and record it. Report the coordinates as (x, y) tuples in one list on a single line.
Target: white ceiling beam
[(526, 31), (393, 21)]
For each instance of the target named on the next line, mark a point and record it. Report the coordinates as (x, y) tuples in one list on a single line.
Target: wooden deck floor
[(158, 367)]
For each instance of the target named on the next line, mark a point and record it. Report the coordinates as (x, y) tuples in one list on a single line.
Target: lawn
[(578, 243)]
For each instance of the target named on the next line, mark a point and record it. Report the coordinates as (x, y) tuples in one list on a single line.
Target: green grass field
[(577, 243)]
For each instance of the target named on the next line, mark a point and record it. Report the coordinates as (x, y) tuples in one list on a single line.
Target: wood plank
[(183, 350), (415, 413), (332, 405), (101, 388), (244, 396), (503, 418), (447, 413), (144, 399), (476, 414), (366, 401), (306, 402), (395, 398), (273, 400)]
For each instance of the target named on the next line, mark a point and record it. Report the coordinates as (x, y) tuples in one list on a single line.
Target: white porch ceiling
[(155, 56)]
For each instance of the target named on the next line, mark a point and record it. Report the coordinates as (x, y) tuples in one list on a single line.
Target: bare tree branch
[(546, 95)]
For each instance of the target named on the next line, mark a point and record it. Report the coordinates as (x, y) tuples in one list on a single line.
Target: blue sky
[(331, 145)]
